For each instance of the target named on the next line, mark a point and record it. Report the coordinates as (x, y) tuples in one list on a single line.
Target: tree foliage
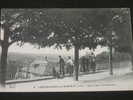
[(25, 25), (73, 27)]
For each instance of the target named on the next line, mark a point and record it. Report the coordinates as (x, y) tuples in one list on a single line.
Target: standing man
[(70, 65), (46, 58), (61, 64), (84, 63), (93, 62)]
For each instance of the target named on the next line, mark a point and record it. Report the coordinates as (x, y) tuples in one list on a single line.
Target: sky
[(28, 48)]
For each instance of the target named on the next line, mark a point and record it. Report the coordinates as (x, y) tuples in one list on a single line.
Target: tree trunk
[(132, 57), (3, 65), (110, 60), (132, 60), (76, 63)]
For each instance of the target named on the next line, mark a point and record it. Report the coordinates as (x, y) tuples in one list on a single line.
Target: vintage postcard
[(66, 50)]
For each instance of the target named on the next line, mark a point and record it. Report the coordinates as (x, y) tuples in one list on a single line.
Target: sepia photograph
[(66, 49)]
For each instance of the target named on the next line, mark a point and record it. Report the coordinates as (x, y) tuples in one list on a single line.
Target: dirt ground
[(102, 81)]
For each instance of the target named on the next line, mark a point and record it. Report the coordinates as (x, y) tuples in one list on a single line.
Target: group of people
[(64, 67), (86, 64)]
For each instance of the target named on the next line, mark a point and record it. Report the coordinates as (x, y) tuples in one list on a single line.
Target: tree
[(72, 28), (101, 23), (115, 28), (7, 22), (124, 32), (20, 26), (122, 28)]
